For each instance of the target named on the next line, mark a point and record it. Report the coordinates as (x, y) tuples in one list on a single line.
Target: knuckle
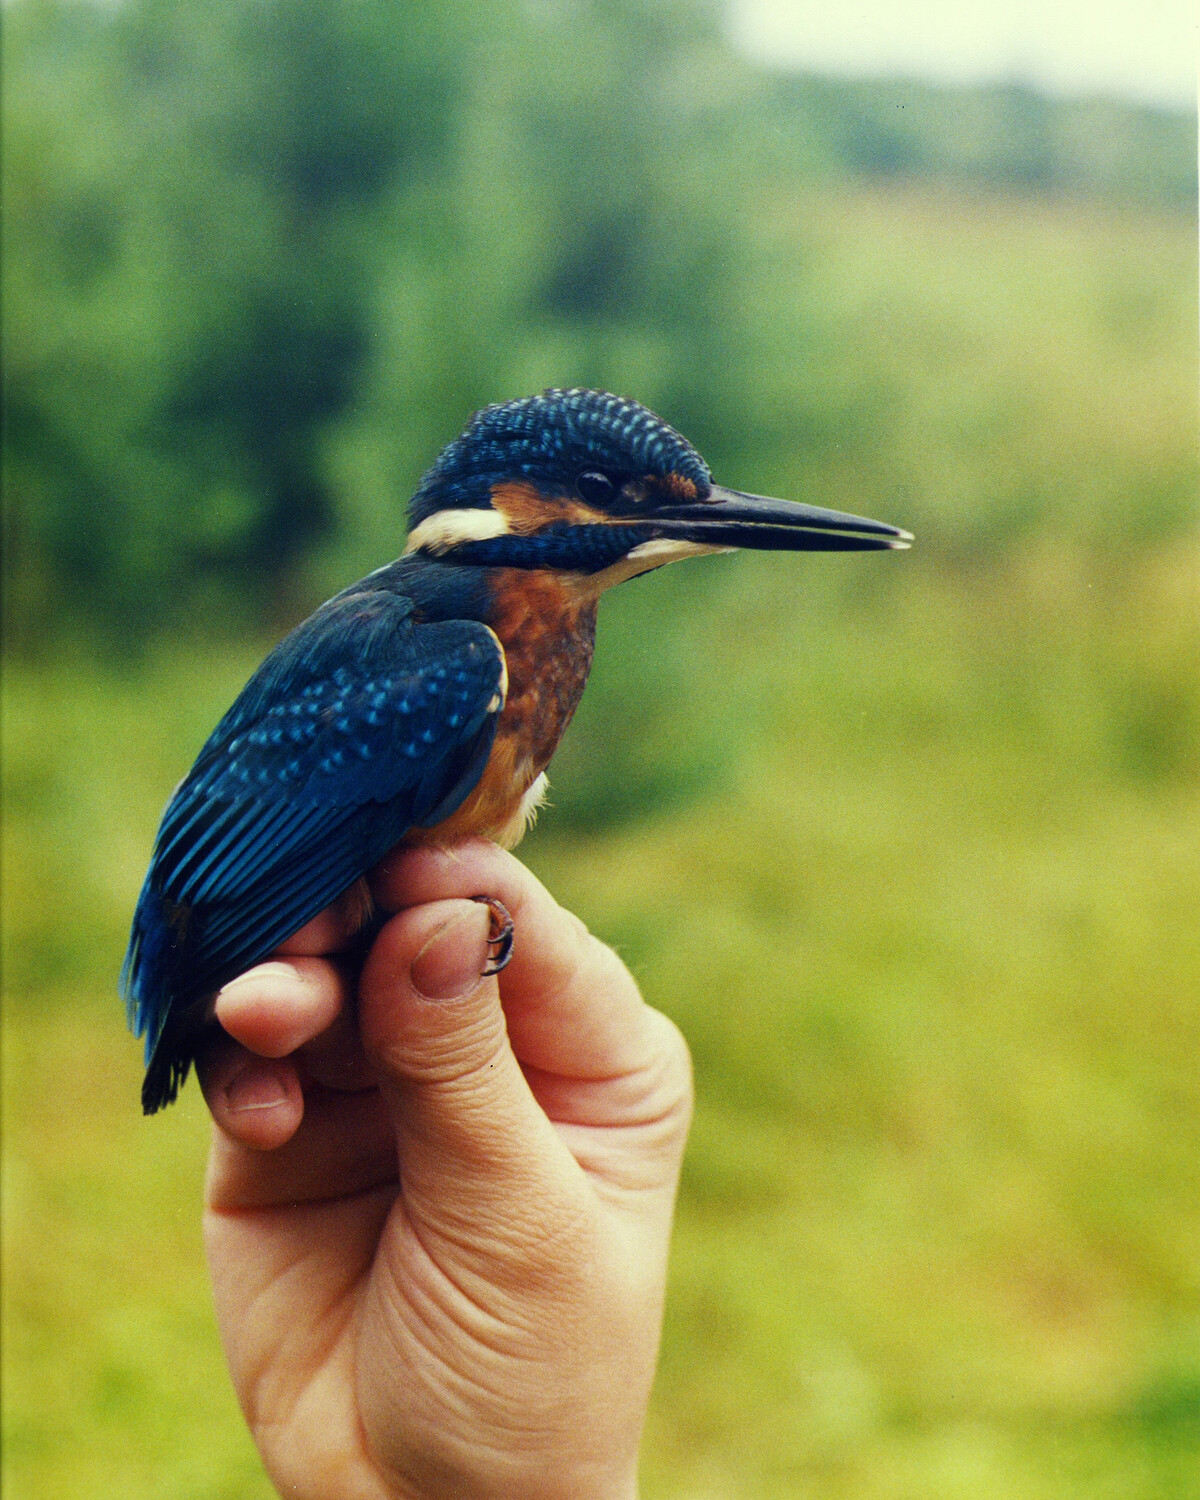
[(606, 965), (670, 1082)]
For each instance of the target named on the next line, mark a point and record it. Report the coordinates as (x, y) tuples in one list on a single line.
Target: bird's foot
[(500, 934)]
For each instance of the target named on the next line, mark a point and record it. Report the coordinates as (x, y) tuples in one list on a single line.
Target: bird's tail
[(147, 985), (168, 1066)]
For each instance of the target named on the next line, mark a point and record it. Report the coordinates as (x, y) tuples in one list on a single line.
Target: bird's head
[(592, 484)]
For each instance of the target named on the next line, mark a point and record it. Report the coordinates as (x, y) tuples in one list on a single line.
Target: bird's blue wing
[(364, 723), (366, 706)]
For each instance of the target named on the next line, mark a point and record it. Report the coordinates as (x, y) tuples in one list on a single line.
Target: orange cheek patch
[(527, 510)]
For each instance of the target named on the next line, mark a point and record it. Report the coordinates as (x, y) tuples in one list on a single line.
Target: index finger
[(571, 1005)]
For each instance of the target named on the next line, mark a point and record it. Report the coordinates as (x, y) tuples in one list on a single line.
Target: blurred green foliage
[(263, 257), (908, 845), (1007, 137)]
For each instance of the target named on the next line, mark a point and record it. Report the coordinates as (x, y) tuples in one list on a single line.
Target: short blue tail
[(146, 984)]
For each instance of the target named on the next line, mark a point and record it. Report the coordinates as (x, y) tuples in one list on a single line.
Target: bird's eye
[(595, 488)]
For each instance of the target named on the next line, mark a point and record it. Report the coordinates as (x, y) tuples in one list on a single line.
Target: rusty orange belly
[(548, 633)]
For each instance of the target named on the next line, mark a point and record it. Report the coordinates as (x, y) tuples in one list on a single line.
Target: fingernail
[(277, 971), (452, 961), (254, 1088)]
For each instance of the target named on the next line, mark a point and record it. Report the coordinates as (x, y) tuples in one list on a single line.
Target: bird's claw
[(500, 934)]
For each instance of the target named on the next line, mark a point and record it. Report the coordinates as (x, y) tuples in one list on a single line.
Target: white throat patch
[(643, 558)]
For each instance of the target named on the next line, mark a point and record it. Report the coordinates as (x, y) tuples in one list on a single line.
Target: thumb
[(475, 1150)]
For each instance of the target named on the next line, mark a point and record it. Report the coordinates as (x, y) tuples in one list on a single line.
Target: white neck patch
[(447, 529)]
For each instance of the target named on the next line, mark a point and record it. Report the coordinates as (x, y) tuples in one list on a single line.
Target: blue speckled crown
[(549, 440)]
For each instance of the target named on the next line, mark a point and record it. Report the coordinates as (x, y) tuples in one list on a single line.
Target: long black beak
[(728, 518)]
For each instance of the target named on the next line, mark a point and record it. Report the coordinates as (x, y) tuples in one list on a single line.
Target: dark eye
[(595, 488)]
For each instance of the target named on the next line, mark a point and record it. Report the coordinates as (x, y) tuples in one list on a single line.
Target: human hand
[(438, 1244)]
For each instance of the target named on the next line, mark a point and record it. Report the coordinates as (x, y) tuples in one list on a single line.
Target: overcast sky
[(1136, 49)]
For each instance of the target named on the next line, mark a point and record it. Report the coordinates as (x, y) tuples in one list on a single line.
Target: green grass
[(114, 1382), (909, 846), (935, 952)]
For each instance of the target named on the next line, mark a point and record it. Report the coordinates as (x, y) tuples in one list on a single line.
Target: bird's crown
[(549, 441)]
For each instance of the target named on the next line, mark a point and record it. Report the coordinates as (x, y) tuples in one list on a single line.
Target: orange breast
[(548, 634)]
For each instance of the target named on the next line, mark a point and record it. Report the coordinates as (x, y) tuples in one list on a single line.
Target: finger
[(298, 1114), (476, 1153), (573, 1008), (256, 1101), (278, 1007)]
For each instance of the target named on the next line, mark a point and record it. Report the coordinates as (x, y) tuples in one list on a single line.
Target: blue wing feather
[(365, 722)]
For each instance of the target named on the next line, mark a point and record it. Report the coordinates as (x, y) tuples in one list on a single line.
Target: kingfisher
[(422, 704)]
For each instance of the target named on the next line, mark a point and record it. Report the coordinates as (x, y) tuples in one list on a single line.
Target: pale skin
[(438, 1214)]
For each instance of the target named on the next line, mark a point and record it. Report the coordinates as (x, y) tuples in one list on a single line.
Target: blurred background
[(907, 844)]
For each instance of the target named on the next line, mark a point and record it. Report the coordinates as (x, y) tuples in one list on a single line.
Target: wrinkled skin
[(438, 1215)]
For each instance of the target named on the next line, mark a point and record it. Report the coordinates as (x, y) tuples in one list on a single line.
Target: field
[(908, 845)]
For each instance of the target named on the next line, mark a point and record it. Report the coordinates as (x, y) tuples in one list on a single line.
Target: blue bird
[(423, 703)]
